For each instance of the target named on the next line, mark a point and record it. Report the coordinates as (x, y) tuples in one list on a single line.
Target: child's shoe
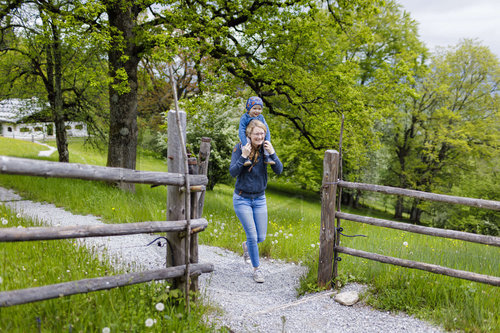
[(247, 163), (269, 161)]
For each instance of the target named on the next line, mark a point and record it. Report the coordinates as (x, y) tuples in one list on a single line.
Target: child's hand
[(245, 150), (269, 147)]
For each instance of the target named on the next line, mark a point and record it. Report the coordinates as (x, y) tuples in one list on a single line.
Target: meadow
[(293, 235)]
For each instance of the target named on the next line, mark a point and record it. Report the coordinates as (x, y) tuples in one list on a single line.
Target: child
[(253, 111)]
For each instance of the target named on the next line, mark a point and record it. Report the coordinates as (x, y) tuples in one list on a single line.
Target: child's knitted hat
[(252, 101)]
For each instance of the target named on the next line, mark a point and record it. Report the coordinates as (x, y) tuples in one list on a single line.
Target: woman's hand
[(245, 150), (269, 147)]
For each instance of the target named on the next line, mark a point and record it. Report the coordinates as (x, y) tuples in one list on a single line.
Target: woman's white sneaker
[(258, 276)]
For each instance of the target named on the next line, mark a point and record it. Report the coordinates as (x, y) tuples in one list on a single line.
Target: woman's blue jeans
[(253, 217)]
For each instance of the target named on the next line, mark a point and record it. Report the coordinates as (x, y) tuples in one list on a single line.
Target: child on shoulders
[(254, 109)]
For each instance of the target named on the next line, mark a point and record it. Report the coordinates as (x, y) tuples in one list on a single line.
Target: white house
[(13, 113)]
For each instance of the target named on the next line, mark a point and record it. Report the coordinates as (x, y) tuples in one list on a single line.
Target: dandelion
[(160, 306), (405, 244), (112, 208), (18, 215), (106, 330), (149, 322)]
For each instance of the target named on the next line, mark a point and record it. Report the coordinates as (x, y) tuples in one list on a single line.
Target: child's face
[(255, 111)]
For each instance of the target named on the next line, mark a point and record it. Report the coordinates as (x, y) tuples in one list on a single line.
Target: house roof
[(13, 110)]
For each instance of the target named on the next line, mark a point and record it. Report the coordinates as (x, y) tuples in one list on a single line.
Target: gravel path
[(245, 305)]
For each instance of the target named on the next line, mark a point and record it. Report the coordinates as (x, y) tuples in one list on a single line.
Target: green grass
[(293, 235), (125, 309)]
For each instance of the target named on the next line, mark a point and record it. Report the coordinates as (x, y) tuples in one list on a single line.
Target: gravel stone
[(245, 306)]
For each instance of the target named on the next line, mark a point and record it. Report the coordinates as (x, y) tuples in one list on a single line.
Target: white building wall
[(38, 131)]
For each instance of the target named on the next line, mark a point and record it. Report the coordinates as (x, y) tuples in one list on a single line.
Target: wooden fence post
[(193, 259), (175, 197), (203, 169), (327, 231), (197, 200)]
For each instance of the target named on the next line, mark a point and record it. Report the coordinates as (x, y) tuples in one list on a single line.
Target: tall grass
[(293, 234), (125, 309)]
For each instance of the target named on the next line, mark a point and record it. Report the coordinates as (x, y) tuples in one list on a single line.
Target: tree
[(449, 123), (313, 68), (54, 55)]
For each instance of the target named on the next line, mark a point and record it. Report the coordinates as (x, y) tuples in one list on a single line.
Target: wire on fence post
[(339, 202), (187, 186)]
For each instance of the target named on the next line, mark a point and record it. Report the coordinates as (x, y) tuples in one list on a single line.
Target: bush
[(216, 117)]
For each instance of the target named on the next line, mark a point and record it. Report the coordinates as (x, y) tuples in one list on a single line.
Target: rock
[(347, 298)]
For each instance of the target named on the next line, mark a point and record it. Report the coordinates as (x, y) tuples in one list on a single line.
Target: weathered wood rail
[(330, 235), (39, 168), (178, 227), (28, 295), (67, 232)]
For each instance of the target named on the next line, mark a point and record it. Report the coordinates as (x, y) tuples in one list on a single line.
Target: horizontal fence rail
[(327, 269), (492, 280), (466, 236), (22, 296), (31, 167), (48, 233), (488, 204)]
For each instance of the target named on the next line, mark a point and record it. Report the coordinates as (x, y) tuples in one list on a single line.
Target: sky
[(445, 22)]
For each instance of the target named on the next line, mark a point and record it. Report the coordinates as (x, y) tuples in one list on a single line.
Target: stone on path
[(347, 298)]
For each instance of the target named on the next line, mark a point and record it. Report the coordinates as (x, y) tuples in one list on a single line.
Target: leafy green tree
[(318, 68), (449, 123), (54, 55)]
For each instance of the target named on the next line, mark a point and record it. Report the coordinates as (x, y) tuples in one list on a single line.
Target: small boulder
[(347, 298)]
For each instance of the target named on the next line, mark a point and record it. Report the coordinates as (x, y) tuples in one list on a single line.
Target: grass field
[(293, 235)]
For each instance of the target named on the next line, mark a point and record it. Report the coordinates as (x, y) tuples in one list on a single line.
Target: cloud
[(444, 22)]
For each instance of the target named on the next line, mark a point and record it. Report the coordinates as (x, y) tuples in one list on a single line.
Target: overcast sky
[(445, 22)]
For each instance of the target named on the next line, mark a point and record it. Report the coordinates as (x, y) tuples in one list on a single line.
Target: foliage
[(449, 124), (310, 69), (51, 58), (216, 117)]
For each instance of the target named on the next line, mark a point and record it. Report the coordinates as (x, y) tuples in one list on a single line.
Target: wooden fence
[(330, 232), (176, 229)]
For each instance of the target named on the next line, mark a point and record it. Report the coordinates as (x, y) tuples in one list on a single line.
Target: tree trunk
[(54, 88), (398, 209), (415, 212), (123, 59), (61, 135)]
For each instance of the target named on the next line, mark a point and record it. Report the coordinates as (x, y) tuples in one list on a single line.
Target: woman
[(249, 199)]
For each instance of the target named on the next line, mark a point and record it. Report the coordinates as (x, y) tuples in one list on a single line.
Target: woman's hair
[(255, 123), (254, 153)]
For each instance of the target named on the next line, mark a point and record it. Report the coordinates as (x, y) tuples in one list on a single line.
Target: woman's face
[(258, 135)]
